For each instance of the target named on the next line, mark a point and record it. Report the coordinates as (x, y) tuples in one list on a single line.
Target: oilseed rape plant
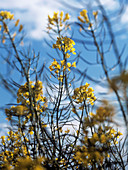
[(66, 44), (99, 138), (63, 128), (84, 93), (58, 20), (5, 18), (6, 15)]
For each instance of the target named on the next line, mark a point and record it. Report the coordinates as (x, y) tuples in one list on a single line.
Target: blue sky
[(33, 15)]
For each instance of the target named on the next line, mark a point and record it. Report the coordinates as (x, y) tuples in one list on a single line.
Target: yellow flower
[(119, 133), (60, 78), (67, 55), (50, 20), (61, 15), (3, 137), (39, 167), (90, 89), (16, 23), (115, 142), (31, 132), (91, 114), (21, 27), (69, 64), (103, 138), (57, 66), (83, 12), (95, 13), (74, 64), (66, 17), (112, 131), (67, 131), (55, 16), (85, 18), (62, 62), (44, 125), (54, 63), (98, 155), (51, 68), (95, 136), (6, 15), (77, 132), (72, 50)]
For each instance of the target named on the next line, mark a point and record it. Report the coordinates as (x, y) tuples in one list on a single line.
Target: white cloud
[(124, 18), (100, 89), (4, 129)]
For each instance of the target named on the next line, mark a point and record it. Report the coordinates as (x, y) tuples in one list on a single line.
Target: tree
[(62, 130)]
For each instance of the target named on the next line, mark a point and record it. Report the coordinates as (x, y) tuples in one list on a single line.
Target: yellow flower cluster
[(28, 163), (23, 97), (95, 149), (67, 131), (57, 19), (103, 113), (17, 110), (84, 16), (96, 144), (9, 154), (85, 19), (55, 66), (66, 44), (84, 93), (6, 15), (88, 157), (36, 90)]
